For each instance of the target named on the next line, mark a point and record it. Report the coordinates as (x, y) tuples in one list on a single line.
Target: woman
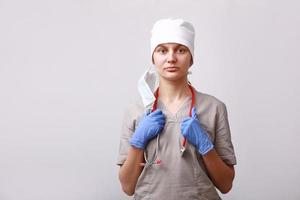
[(182, 149)]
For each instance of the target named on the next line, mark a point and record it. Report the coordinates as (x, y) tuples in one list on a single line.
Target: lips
[(171, 69)]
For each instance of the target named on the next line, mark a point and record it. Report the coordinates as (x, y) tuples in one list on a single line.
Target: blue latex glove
[(195, 134), (149, 127)]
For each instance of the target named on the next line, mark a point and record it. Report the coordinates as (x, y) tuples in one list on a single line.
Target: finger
[(161, 122), (185, 119), (183, 130), (158, 118), (147, 112), (194, 113), (158, 127), (161, 127), (156, 112)]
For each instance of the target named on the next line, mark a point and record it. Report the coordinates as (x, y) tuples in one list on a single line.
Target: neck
[(172, 91)]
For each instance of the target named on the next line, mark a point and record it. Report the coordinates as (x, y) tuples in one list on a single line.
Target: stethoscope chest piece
[(182, 150)]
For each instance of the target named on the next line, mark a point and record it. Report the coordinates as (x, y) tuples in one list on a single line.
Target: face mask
[(146, 86)]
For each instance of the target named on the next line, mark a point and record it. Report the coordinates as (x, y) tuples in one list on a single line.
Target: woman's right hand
[(149, 127)]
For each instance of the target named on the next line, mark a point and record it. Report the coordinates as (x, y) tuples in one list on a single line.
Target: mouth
[(171, 69)]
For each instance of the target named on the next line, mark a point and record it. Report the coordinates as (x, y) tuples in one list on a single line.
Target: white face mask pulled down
[(147, 85)]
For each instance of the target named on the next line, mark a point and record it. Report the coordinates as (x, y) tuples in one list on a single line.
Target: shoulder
[(134, 110), (209, 101)]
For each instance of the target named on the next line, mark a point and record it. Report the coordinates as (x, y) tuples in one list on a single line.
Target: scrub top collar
[(180, 114)]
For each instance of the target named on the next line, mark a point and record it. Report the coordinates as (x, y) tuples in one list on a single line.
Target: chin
[(173, 77)]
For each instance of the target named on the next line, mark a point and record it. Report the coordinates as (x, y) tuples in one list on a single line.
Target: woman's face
[(172, 60)]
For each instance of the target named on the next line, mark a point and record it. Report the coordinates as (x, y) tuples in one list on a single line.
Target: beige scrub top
[(179, 177)]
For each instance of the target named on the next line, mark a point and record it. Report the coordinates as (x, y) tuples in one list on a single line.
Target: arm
[(131, 170), (149, 127), (220, 173)]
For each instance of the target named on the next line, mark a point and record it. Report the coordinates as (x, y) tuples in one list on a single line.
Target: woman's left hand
[(195, 134)]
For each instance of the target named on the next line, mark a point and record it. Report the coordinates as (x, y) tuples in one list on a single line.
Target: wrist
[(137, 144), (209, 153), (135, 155), (205, 147), (205, 152), (136, 150)]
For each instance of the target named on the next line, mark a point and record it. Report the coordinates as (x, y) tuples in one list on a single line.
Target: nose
[(171, 57)]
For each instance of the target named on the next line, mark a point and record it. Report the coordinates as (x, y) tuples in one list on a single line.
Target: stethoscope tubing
[(184, 142)]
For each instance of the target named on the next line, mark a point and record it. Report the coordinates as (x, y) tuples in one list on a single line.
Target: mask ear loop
[(156, 152)]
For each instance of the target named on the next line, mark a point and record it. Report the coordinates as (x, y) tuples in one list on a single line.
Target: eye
[(162, 50), (181, 50)]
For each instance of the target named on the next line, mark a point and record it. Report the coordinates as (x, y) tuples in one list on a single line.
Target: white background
[(68, 69)]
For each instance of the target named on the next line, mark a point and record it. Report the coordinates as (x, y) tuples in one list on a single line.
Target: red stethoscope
[(155, 160)]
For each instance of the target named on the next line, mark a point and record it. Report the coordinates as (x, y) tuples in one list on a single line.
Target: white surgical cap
[(173, 31)]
